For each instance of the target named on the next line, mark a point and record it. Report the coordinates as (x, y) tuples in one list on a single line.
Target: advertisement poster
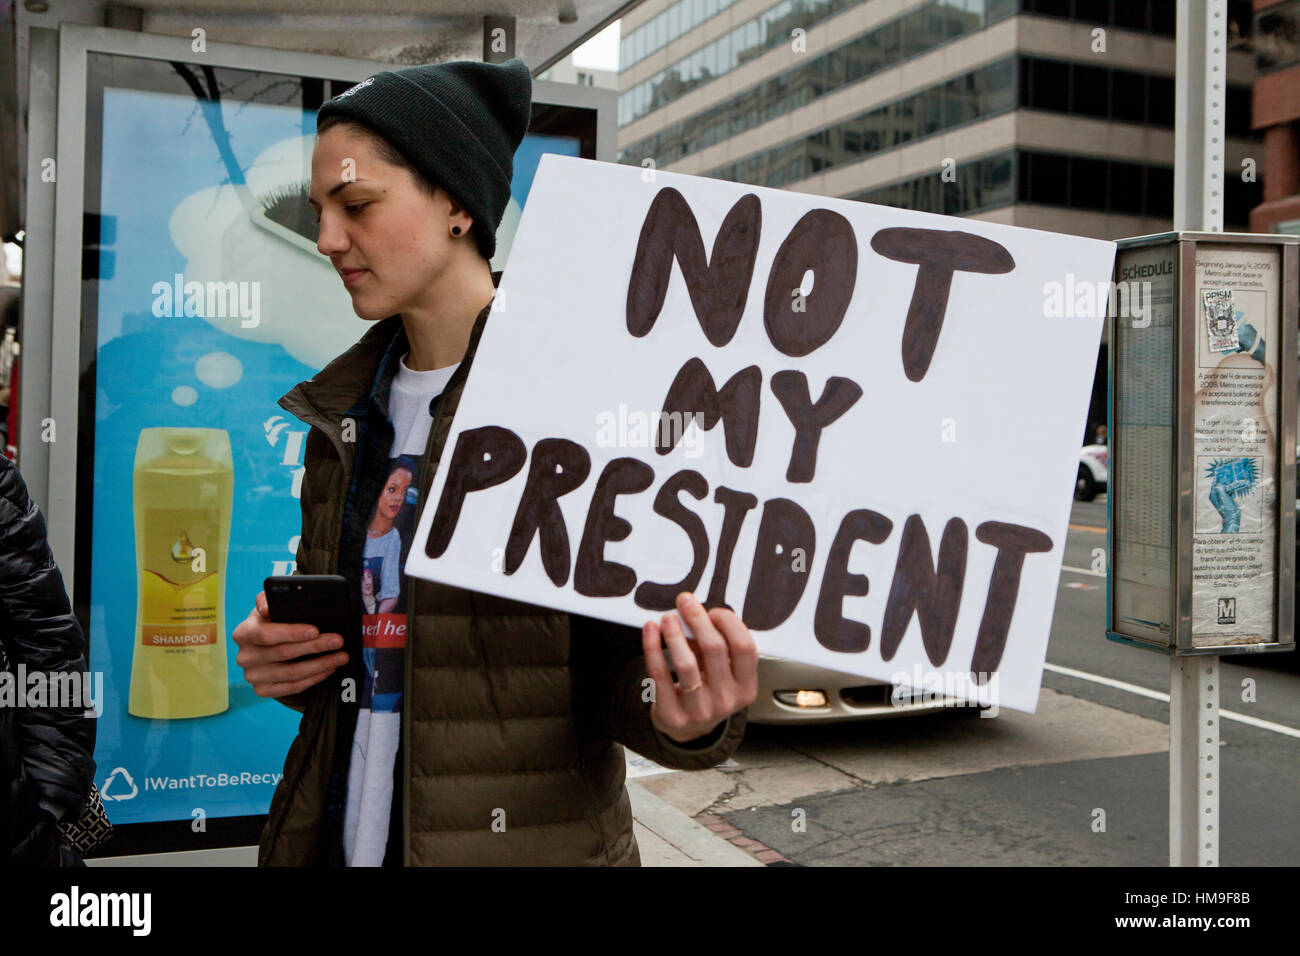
[(1234, 536), (807, 408), (1142, 464), (210, 302)]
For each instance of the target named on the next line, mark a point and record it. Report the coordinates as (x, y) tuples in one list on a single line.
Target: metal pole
[(1200, 81), (1201, 67), (38, 271), (1194, 761)]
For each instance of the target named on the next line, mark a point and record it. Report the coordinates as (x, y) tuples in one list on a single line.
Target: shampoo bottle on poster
[(183, 484)]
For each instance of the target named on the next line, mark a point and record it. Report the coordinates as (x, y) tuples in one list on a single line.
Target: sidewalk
[(668, 837)]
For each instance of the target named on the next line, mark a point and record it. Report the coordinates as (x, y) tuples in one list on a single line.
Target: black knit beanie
[(459, 123)]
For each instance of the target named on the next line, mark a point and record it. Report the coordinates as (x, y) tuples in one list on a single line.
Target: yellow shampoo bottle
[(183, 487)]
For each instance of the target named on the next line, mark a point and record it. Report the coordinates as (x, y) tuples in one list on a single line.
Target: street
[(1084, 781)]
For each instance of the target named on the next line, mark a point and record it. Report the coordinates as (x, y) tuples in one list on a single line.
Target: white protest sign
[(890, 410)]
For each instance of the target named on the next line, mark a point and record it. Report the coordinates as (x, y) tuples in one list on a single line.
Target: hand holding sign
[(717, 673)]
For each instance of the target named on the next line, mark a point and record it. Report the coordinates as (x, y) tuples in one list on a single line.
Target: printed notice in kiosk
[(1234, 536)]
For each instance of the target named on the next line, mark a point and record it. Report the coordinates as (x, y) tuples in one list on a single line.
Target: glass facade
[(915, 32), (1145, 16), (911, 34), (655, 34), (862, 57), (976, 95), (979, 184), (1082, 89), (1277, 37), (1051, 85), (1125, 96), (1055, 179), (1078, 88)]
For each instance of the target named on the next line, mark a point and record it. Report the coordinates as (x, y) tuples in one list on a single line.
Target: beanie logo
[(353, 89)]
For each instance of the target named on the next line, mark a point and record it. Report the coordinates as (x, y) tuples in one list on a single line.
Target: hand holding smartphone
[(320, 600), (293, 638)]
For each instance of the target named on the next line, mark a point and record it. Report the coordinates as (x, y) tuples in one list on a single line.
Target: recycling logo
[(119, 773)]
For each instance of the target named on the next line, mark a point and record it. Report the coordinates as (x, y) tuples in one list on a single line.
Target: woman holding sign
[(461, 728)]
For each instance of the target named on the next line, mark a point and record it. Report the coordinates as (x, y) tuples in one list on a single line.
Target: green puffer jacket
[(513, 714)]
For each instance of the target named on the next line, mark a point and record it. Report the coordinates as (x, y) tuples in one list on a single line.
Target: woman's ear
[(455, 209)]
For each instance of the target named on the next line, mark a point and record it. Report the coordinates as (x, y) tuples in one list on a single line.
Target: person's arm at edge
[(51, 641)]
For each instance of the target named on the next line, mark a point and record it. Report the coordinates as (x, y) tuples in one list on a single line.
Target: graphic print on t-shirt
[(389, 530), (383, 587)]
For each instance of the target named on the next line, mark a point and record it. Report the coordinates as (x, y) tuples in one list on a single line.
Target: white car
[(1093, 468), (791, 693)]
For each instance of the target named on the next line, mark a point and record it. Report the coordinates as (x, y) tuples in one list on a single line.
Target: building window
[(1074, 88), (1050, 179), (928, 27), (1277, 37)]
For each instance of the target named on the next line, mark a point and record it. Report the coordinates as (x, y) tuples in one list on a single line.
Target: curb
[(725, 831), (684, 841)]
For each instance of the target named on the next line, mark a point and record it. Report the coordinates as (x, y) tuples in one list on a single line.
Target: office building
[(1051, 114), (1276, 114)]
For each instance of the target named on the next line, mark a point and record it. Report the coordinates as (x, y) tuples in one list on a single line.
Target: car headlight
[(802, 698)]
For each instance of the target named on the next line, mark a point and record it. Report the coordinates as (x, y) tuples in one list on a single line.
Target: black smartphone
[(320, 600)]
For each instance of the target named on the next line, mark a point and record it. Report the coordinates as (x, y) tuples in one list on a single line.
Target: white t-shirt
[(383, 623)]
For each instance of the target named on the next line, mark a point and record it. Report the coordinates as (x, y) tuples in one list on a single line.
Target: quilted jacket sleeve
[(302, 564), (40, 631), (611, 676)]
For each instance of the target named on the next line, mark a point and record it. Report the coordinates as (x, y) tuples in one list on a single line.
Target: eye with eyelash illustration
[(286, 205), (283, 212)]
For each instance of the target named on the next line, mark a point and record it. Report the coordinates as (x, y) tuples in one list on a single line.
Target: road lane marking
[(1158, 695), (1095, 574)]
